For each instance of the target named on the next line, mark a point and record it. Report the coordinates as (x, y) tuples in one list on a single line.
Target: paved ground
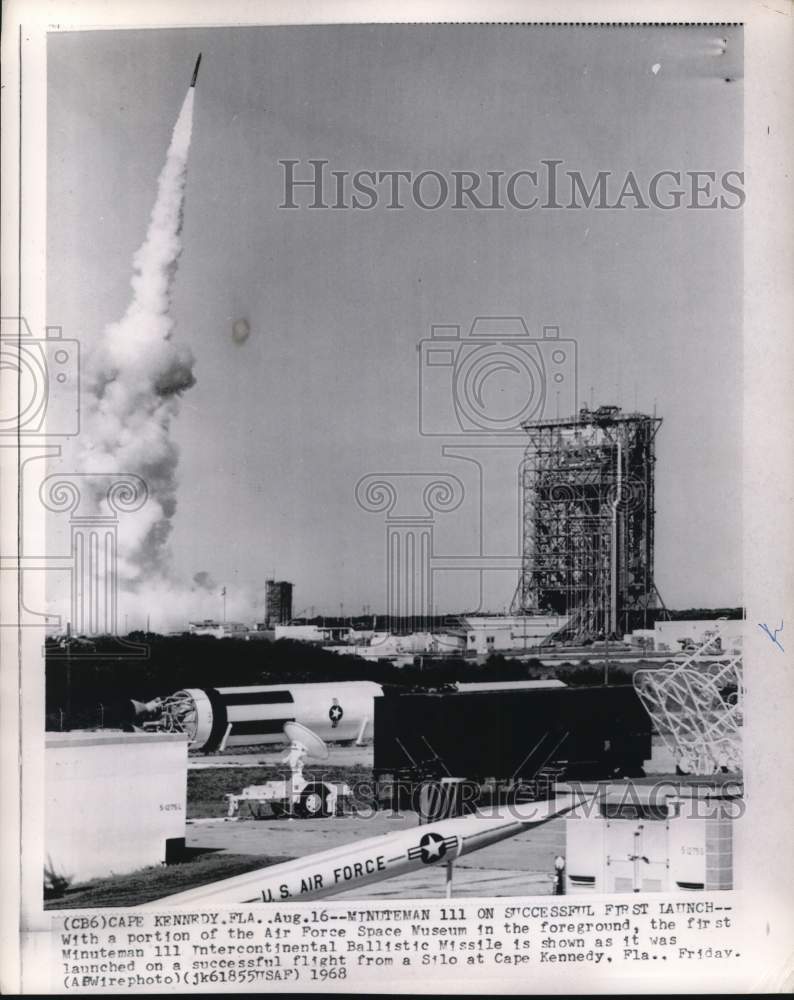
[(522, 865), (350, 756)]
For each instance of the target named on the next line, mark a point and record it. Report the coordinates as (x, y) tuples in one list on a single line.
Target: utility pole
[(68, 677)]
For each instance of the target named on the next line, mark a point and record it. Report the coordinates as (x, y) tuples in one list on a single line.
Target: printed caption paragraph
[(332, 946)]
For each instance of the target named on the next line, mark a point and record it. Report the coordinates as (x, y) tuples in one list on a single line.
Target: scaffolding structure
[(587, 522)]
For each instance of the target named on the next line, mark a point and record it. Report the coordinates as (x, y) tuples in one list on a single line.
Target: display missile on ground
[(224, 717), (195, 71), (351, 866)]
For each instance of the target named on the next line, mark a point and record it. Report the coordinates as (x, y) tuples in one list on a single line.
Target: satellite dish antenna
[(309, 742), (303, 743)]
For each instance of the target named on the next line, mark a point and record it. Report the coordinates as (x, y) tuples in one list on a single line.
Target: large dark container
[(512, 735)]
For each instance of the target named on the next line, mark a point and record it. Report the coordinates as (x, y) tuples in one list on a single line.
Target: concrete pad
[(522, 865), (431, 884), (338, 756)]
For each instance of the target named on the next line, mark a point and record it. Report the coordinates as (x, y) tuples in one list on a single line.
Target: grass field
[(206, 788), (158, 880)]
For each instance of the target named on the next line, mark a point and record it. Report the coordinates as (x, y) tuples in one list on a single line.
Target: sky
[(280, 427)]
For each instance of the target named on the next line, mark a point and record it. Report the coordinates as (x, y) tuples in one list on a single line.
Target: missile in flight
[(195, 71)]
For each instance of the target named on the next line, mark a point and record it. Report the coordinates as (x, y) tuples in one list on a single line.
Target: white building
[(312, 633), (487, 634), (436, 643), (114, 802), (221, 630), (402, 649), (677, 635), (640, 638)]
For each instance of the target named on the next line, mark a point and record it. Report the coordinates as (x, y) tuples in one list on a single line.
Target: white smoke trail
[(137, 375)]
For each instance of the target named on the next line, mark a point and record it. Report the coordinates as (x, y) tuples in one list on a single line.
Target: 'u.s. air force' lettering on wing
[(432, 847)]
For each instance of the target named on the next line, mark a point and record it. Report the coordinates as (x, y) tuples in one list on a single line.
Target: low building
[(220, 630), (417, 643), (114, 802), (312, 633), (486, 634), (653, 839), (683, 635), (640, 638), (262, 633), (403, 649)]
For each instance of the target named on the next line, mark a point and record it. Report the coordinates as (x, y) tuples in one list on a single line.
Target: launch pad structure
[(587, 509)]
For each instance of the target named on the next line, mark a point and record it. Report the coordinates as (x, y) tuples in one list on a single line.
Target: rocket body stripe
[(376, 859)]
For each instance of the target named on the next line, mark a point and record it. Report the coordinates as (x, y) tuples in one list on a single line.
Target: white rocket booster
[(374, 860)]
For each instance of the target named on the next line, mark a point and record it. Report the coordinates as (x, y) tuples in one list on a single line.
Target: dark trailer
[(511, 736)]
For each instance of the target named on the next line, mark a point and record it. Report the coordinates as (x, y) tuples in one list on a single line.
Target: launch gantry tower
[(587, 510)]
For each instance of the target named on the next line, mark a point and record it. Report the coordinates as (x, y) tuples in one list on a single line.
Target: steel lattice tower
[(588, 519)]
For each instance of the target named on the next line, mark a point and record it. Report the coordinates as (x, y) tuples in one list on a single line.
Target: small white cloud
[(655, 68)]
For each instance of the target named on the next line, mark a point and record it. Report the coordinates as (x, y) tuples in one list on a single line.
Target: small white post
[(362, 731), (226, 736), (448, 886)]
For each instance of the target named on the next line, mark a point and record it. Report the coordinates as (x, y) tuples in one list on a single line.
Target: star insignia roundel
[(432, 847)]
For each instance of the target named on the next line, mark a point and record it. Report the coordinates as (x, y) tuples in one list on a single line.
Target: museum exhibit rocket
[(363, 862)]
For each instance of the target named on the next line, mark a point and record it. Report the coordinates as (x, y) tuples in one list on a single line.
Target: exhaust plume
[(137, 375)]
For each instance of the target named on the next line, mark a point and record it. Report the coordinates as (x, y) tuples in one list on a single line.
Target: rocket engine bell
[(144, 708)]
